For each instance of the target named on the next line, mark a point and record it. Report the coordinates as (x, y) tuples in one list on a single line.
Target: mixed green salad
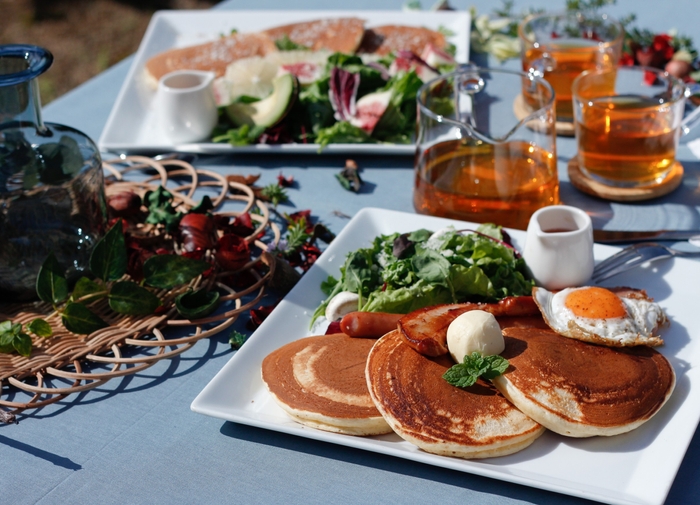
[(400, 273), (328, 98)]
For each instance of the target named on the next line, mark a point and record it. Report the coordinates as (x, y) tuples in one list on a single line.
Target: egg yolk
[(595, 303)]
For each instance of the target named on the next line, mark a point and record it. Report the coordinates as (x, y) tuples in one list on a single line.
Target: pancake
[(386, 39), (320, 382), (212, 56), (578, 389), (340, 34), (424, 409)]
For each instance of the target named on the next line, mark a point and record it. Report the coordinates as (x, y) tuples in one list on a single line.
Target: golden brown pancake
[(320, 382), (579, 389), (340, 34), (212, 56), (424, 409), (386, 39)]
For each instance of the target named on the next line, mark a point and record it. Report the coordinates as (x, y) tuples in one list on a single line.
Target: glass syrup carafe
[(51, 181)]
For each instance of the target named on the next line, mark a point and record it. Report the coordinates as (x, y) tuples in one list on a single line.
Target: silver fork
[(633, 256)]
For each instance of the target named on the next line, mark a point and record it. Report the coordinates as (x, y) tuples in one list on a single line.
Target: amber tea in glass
[(475, 160), (562, 46), (503, 183), (628, 125)]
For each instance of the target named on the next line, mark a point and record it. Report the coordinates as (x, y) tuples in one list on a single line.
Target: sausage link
[(368, 324)]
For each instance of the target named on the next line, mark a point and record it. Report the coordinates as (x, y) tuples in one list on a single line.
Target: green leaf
[(203, 207), (108, 258), (475, 365), (197, 304), (22, 343), (6, 339), (287, 44), (51, 284), (77, 318), (165, 271), (237, 339), (85, 287), (160, 209), (431, 267), (40, 328), (5, 326), (342, 132), (127, 297), (275, 193), (242, 136)]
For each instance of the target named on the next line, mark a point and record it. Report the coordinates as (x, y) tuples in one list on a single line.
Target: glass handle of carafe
[(692, 119), (541, 65)]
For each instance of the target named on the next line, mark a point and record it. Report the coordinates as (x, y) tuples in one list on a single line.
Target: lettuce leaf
[(402, 273)]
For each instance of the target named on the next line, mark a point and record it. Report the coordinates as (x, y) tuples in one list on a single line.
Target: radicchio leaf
[(343, 93)]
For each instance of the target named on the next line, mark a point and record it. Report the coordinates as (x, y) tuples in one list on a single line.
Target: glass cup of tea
[(628, 123), (475, 160), (561, 46)]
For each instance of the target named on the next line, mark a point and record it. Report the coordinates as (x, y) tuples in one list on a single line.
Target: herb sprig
[(475, 365)]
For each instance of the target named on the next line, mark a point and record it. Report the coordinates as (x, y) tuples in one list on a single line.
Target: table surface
[(135, 440)]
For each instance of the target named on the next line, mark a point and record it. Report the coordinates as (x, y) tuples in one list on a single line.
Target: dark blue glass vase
[(51, 181)]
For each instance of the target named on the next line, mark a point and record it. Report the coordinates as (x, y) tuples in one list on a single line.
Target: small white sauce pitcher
[(185, 105), (559, 247)]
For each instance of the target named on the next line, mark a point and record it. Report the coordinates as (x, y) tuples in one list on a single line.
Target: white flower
[(503, 47), (496, 25), (482, 25)]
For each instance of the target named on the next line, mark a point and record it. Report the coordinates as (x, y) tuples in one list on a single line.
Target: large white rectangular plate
[(635, 468), (132, 124)]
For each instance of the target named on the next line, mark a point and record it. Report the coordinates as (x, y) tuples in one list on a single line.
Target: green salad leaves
[(402, 273)]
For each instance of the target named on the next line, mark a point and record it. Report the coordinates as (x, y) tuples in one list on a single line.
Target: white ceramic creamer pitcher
[(185, 105), (559, 247)]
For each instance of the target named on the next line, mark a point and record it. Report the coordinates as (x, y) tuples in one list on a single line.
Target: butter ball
[(475, 330)]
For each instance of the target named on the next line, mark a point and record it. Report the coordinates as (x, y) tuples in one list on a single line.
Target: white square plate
[(132, 125), (633, 468)]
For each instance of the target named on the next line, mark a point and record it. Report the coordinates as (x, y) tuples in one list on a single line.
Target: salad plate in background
[(133, 126), (633, 468)]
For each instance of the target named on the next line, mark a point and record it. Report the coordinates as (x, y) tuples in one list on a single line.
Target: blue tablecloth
[(136, 441)]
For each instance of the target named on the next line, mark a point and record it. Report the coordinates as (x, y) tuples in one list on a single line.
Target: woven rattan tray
[(67, 363)]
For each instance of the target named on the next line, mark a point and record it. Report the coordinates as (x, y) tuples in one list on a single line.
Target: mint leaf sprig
[(474, 366)]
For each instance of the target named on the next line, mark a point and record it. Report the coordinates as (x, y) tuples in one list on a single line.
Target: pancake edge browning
[(555, 419), (399, 414), (350, 420)]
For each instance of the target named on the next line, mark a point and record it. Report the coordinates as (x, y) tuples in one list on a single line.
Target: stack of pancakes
[(573, 388)]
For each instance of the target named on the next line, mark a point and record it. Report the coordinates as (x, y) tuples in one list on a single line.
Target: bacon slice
[(425, 330)]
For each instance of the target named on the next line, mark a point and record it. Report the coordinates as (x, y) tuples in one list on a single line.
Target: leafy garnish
[(165, 271), (242, 136), (197, 304), (51, 284), (108, 258), (12, 338), (275, 194), (161, 210), (287, 44), (349, 177), (474, 366), (237, 339), (342, 132)]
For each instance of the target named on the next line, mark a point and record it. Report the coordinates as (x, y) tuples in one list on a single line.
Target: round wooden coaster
[(521, 110), (584, 183)]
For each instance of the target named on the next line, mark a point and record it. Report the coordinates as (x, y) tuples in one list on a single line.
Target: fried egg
[(614, 317)]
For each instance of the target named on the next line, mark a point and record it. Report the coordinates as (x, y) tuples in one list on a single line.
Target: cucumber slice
[(269, 111)]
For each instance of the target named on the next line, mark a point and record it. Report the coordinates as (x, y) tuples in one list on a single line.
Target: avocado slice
[(268, 111)]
